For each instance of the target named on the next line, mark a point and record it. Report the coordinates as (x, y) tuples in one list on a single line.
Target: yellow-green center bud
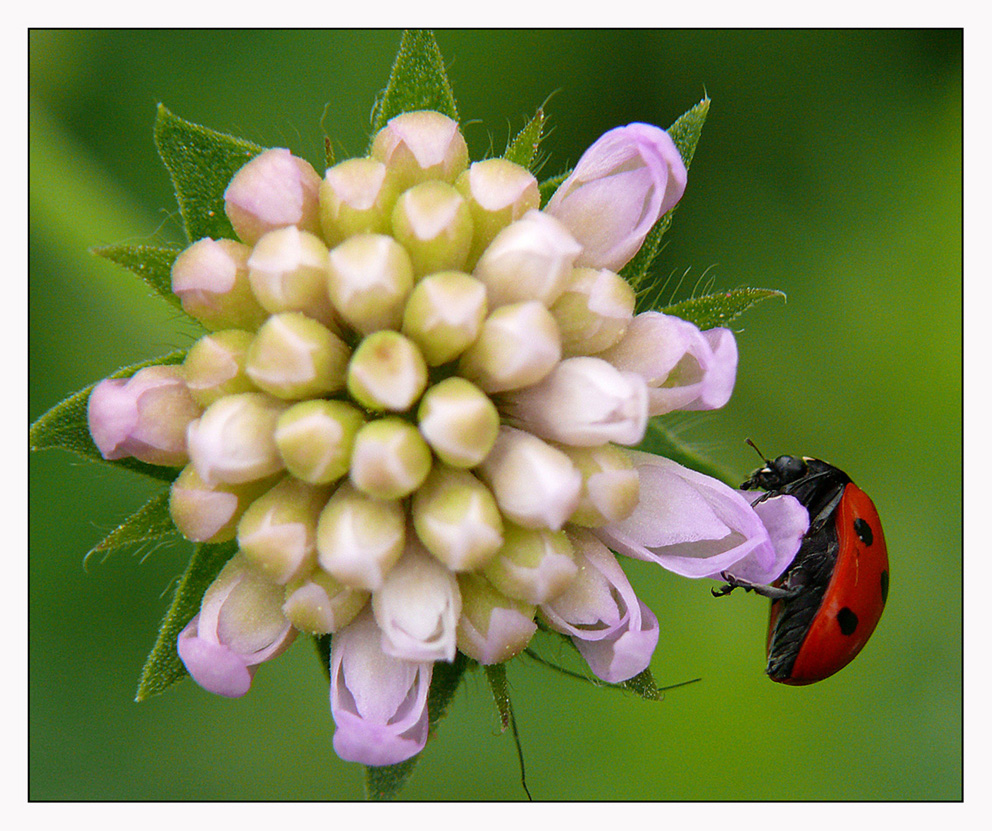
[(319, 604), (288, 273), (610, 484), (315, 439), (390, 459), (493, 627), (370, 277), (534, 565), (433, 223), (444, 315), (593, 312), (215, 366), (387, 372), (355, 198), (295, 357), (459, 422)]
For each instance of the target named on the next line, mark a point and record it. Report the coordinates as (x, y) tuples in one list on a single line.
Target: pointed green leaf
[(720, 308), (386, 782), (661, 441), (151, 264), (522, 150), (151, 522), (418, 81), (496, 676), (201, 163), (687, 129), (163, 668), (65, 425), (549, 186)]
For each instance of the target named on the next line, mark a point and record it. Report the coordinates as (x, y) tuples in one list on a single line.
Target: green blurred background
[(830, 168)]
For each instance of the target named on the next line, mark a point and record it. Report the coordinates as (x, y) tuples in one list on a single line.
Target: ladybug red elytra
[(828, 601)]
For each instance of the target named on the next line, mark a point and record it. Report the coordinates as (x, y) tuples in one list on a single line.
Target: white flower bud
[(355, 198), (594, 311), (417, 608), (210, 278), (419, 146), (531, 259), (390, 459), (315, 439), (210, 513), (459, 421), (457, 520), (387, 372), (370, 279), (610, 485), (215, 366), (498, 192), (444, 315), (433, 223), (517, 347), (493, 627), (319, 604), (359, 538), (287, 270), (295, 357), (535, 484), (234, 440), (533, 565), (278, 532)]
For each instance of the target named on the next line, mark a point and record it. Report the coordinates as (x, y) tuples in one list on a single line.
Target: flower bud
[(240, 625), (233, 441), (210, 513), (390, 459), (417, 608), (370, 278), (531, 259), (355, 198), (457, 520), (534, 565), (215, 366), (610, 485), (319, 604), (419, 146), (493, 627), (144, 416), (387, 372), (273, 190), (534, 483), (444, 315), (584, 402), (287, 270), (459, 421), (295, 357), (498, 192), (517, 347), (594, 311), (433, 223), (359, 538), (278, 531), (315, 439), (210, 278), (623, 184)]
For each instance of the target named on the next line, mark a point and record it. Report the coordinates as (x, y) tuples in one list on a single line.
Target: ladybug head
[(777, 474)]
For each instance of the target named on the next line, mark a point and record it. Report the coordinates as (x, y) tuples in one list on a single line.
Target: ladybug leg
[(773, 592)]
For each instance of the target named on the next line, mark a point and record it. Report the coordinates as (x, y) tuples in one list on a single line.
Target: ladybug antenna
[(762, 455)]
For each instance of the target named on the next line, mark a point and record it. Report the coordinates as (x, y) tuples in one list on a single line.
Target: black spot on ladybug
[(885, 586), (848, 621), (863, 530)]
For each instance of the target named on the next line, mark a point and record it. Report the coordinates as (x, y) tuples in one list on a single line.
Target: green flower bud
[(433, 223), (294, 357), (211, 280), (493, 627), (369, 280), (355, 198), (459, 422), (359, 538), (319, 604), (457, 520), (387, 372), (420, 146), (210, 513), (315, 439), (444, 315), (534, 565), (610, 485), (593, 312), (288, 273), (215, 366), (390, 459)]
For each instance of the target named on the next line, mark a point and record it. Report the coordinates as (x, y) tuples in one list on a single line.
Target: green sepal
[(661, 441), (322, 645), (150, 522), (687, 129), (549, 186), (202, 163), (496, 676), (163, 667), (417, 81), (522, 150), (720, 308), (65, 425), (150, 263), (386, 782)]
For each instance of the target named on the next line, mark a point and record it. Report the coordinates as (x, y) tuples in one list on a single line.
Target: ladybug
[(828, 601)]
